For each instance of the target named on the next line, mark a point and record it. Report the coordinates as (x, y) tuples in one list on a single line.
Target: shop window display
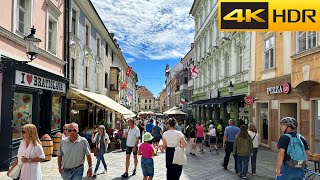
[(22, 113), (56, 112)]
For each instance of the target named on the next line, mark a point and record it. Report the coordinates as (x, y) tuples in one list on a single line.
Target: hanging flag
[(182, 99), (128, 72), (194, 71)]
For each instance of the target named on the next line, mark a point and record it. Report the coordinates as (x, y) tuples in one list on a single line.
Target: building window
[(107, 49), (98, 81), (86, 77), (74, 22), (112, 57), (240, 59), (98, 47), (72, 71), (22, 15), (217, 70), (269, 53), (306, 40), (145, 101), (106, 80), (52, 35), (149, 107), (145, 107), (150, 101), (227, 65), (87, 31)]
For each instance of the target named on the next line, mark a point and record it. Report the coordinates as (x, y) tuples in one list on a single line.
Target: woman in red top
[(200, 136)]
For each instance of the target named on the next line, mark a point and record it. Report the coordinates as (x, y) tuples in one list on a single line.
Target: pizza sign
[(249, 100), (285, 89)]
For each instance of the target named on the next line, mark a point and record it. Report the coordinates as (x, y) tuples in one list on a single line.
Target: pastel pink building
[(33, 92)]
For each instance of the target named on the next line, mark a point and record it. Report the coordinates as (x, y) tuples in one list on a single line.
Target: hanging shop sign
[(249, 100), (31, 80), (285, 89)]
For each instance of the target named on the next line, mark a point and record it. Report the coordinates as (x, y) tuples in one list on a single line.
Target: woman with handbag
[(30, 154), (173, 139), (102, 140)]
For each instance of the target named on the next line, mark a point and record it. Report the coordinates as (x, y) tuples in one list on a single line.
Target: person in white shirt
[(213, 140), (132, 135), (65, 131), (252, 131), (170, 139)]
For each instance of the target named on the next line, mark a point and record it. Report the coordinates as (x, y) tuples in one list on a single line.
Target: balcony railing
[(190, 83)]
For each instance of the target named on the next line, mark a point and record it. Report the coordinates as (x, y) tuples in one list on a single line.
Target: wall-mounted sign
[(31, 80), (213, 93), (249, 100), (285, 89)]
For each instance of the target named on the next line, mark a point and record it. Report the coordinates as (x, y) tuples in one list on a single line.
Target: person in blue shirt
[(149, 126), (229, 135)]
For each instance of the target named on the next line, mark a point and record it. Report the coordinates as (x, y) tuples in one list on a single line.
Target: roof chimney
[(112, 35), (192, 45)]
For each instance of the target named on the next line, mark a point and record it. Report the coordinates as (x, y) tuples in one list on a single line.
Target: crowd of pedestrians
[(241, 142)]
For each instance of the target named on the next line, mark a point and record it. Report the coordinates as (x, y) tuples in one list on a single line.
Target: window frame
[(268, 50), (306, 41), (72, 70), (87, 40), (226, 59), (51, 17), (239, 60), (106, 80), (86, 77), (98, 46), (28, 21)]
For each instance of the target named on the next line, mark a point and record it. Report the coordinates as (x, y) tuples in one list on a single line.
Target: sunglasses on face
[(65, 129), (70, 130), (23, 132)]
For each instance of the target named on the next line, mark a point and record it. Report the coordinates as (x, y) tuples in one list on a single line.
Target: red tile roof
[(144, 92)]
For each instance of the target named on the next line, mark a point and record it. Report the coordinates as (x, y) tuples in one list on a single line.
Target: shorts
[(199, 139), (147, 166), (129, 150), (213, 140), (156, 139)]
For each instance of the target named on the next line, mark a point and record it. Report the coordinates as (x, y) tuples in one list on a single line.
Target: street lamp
[(32, 44), (231, 87)]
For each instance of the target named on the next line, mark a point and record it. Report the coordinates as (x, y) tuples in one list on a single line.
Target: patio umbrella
[(173, 108), (175, 111)]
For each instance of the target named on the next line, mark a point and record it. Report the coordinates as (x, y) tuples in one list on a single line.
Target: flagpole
[(204, 76)]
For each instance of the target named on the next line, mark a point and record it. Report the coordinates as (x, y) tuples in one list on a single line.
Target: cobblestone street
[(203, 166)]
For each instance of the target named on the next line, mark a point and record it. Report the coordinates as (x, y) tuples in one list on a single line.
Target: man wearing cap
[(72, 153), (133, 134)]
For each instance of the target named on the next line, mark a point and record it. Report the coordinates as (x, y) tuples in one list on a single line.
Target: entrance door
[(317, 125), (263, 122)]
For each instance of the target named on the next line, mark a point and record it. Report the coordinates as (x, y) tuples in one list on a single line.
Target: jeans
[(254, 160), (73, 175), (100, 158), (147, 166), (243, 163), (228, 150), (287, 172), (173, 170)]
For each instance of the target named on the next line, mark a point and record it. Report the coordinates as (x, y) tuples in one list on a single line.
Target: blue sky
[(151, 34)]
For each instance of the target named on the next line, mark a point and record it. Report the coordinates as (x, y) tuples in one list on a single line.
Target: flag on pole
[(182, 99), (194, 71), (128, 72)]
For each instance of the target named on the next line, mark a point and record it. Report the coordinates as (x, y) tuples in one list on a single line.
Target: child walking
[(147, 151)]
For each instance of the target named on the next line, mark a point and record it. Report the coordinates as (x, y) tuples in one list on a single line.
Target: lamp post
[(32, 44), (230, 88)]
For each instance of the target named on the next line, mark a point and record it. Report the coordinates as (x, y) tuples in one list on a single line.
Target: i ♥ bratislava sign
[(31, 80)]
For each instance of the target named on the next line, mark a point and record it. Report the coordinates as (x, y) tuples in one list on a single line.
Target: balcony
[(190, 83), (183, 87)]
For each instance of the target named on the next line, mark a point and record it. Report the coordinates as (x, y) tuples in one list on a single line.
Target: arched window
[(75, 51), (87, 66)]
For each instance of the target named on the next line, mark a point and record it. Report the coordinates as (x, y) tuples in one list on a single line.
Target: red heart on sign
[(29, 78)]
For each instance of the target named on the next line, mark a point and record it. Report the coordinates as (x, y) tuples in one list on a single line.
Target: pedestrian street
[(203, 166)]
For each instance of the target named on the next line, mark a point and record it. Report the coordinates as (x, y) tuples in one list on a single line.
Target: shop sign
[(31, 80), (249, 100), (285, 89)]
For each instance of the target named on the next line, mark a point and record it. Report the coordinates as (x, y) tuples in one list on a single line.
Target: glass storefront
[(317, 125), (22, 113), (56, 112), (263, 122)]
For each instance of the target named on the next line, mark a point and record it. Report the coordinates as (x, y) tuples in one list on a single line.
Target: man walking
[(133, 135), (71, 155), (228, 139)]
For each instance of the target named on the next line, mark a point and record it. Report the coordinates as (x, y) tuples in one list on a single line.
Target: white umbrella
[(173, 108), (175, 111)]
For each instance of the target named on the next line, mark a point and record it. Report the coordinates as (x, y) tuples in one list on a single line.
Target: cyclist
[(287, 168)]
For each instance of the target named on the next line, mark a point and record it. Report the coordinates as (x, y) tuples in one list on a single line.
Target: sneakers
[(95, 174), (240, 175), (134, 172), (105, 171), (225, 167), (210, 150), (125, 175), (244, 177)]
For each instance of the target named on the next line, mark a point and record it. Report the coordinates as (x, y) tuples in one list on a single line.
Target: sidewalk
[(203, 166)]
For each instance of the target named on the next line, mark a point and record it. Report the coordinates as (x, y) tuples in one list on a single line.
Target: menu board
[(22, 113), (56, 112)]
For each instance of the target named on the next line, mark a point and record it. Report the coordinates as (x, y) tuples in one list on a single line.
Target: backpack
[(297, 152), (219, 128)]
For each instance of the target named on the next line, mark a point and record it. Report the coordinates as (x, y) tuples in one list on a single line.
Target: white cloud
[(149, 29), (130, 60)]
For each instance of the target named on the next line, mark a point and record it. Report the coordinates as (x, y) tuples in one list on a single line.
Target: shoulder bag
[(15, 173), (179, 157)]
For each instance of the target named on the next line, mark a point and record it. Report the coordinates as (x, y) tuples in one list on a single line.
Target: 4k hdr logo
[(275, 15)]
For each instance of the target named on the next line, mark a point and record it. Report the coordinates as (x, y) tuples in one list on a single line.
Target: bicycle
[(310, 175)]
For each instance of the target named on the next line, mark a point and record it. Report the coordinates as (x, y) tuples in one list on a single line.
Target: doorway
[(316, 117), (263, 115)]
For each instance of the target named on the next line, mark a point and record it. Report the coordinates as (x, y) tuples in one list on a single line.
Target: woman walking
[(255, 141), (242, 148), (157, 136), (200, 136), (172, 139), (30, 154), (102, 140), (192, 137)]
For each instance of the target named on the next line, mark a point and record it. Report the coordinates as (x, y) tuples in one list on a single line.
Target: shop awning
[(103, 100), (173, 108), (215, 101)]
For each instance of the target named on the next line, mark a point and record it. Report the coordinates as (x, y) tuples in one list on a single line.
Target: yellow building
[(162, 100)]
